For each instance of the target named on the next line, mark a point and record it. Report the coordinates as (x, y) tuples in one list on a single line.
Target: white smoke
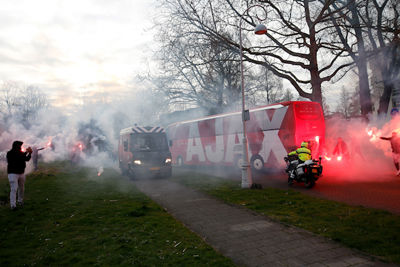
[(62, 131)]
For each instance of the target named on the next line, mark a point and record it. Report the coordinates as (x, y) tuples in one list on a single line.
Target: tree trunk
[(365, 94), (317, 93), (314, 72), (385, 98)]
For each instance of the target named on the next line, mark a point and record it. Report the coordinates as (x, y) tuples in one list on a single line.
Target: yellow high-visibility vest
[(303, 153)]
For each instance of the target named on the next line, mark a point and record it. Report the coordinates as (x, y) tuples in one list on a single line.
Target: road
[(369, 190), (381, 193)]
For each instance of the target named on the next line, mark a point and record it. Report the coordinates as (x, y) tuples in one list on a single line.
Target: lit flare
[(48, 143), (372, 133), (100, 171)]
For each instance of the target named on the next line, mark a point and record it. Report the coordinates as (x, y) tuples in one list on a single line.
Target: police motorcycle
[(306, 172)]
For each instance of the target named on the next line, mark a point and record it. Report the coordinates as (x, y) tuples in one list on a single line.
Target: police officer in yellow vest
[(303, 154)]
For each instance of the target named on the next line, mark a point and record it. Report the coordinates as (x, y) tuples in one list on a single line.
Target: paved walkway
[(247, 238)]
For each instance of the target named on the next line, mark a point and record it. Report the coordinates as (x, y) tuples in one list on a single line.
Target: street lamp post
[(247, 180)]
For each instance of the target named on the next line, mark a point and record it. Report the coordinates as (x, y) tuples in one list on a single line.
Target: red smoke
[(368, 157)]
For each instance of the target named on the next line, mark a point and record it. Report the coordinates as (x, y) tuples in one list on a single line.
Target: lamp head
[(260, 29)]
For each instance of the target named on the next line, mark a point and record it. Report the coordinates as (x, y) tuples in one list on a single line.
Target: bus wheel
[(257, 163), (179, 161)]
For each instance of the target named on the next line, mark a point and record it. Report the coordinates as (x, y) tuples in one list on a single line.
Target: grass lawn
[(73, 217), (372, 231)]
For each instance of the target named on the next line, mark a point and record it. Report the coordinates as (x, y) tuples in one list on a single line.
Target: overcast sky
[(81, 49), (73, 47)]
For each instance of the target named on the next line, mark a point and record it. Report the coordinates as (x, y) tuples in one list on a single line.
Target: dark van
[(144, 151)]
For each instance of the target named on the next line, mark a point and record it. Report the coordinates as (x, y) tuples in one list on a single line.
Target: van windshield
[(149, 142)]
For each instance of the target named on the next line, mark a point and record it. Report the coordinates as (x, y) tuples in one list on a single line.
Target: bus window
[(308, 111), (125, 145)]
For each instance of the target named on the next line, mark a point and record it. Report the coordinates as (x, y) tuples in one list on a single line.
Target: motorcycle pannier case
[(300, 170)]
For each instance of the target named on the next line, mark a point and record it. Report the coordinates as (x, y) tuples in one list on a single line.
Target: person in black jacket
[(16, 160)]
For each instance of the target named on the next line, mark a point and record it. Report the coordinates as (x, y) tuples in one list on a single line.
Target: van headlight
[(168, 161), (137, 162)]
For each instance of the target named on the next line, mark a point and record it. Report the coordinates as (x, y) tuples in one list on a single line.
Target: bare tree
[(32, 100), (368, 30), (348, 102), (382, 22), (344, 102), (269, 87), (9, 93), (21, 102), (196, 68), (287, 96), (325, 106), (297, 46), (348, 27)]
